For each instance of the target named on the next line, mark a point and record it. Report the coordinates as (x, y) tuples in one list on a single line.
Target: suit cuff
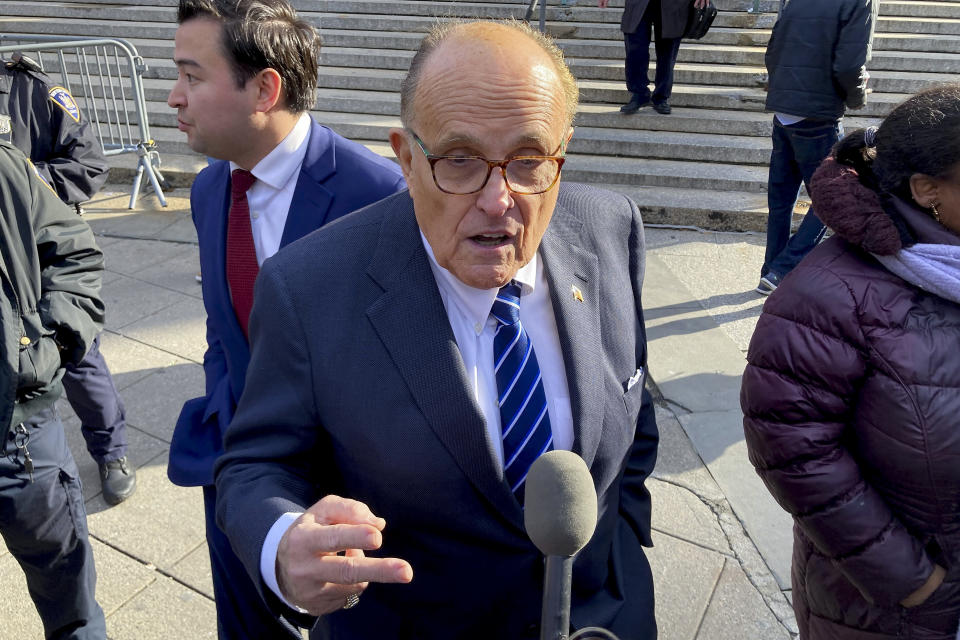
[(268, 556)]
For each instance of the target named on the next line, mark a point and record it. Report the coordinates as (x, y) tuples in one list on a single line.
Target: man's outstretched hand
[(320, 559)]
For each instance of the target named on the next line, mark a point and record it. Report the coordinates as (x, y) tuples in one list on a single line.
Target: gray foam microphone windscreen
[(560, 512)]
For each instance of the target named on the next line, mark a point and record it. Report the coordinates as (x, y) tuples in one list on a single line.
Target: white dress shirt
[(270, 196), (468, 310)]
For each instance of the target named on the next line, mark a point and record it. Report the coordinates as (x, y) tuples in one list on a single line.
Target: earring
[(933, 210)]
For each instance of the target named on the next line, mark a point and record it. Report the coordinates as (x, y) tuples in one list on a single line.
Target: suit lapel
[(574, 273), (311, 200), (412, 323)]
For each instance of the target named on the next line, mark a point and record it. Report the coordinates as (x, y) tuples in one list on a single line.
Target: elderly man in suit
[(668, 19), (247, 77), (412, 359)]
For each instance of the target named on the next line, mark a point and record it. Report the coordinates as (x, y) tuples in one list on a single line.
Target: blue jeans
[(637, 62), (798, 149)]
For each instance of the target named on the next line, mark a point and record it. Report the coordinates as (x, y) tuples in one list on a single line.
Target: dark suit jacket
[(673, 16), (361, 391), (337, 176)]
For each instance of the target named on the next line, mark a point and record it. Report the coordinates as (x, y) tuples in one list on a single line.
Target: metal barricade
[(105, 76)]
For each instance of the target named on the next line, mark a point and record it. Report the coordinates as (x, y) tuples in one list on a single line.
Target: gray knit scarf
[(932, 267)]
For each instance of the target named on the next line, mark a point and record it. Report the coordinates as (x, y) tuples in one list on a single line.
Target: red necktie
[(242, 267)]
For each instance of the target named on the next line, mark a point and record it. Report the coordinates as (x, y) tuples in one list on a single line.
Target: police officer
[(45, 123), (50, 311)]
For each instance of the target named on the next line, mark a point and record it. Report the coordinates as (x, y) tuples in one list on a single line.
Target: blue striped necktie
[(525, 424)]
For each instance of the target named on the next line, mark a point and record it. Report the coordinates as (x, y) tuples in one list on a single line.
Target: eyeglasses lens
[(523, 175)]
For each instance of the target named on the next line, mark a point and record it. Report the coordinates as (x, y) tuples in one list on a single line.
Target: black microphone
[(560, 515)]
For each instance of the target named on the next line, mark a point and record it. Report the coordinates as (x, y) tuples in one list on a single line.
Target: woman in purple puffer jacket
[(851, 397)]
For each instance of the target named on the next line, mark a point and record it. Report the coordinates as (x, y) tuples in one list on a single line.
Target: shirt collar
[(283, 162), (476, 303)]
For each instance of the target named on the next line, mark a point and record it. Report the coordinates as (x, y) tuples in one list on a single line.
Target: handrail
[(543, 13)]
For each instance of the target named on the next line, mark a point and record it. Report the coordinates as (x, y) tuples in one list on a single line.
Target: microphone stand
[(555, 616)]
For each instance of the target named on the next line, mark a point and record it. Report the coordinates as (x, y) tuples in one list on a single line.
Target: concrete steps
[(705, 164)]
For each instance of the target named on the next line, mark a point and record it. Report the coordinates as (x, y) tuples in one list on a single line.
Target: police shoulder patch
[(65, 101)]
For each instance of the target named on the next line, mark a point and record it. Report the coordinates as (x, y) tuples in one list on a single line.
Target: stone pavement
[(721, 560)]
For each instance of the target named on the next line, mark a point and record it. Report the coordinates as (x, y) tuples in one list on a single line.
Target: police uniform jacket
[(45, 123), (50, 272)]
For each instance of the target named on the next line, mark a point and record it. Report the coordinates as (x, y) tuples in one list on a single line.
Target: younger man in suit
[(418, 355), (247, 77)]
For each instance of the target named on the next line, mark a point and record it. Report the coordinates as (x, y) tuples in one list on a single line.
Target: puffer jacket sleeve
[(806, 363)]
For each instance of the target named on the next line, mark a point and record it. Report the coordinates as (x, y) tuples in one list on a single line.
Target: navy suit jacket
[(361, 391), (337, 176)]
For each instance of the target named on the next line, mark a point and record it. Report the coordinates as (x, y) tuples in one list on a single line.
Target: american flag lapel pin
[(577, 294)]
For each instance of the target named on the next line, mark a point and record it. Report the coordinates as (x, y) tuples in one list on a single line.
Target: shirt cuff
[(268, 555)]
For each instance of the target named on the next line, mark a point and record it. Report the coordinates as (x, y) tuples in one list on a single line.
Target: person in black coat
[(667, 18), (43, 121), (816, 60), (50, 311)]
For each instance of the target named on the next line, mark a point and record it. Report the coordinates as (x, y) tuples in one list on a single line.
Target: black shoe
[(662, 107), (768, 284), (118, 480), (636, 101)]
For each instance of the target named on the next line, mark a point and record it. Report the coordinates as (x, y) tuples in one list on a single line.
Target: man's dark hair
[(921, 135), (261, 34)]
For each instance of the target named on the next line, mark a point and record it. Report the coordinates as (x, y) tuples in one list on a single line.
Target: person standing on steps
[(816, 60), (667, 18)]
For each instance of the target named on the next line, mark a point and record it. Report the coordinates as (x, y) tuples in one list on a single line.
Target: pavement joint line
[(118, 236), (154, 284), (726, 554), (169, 225), (117, 332), (184, 584), (161, 309), (152, 567), (713, 594), (123, 604), (149, 435)]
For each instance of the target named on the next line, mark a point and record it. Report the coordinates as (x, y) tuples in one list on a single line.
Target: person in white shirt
[(413, 359), (247, 73)]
